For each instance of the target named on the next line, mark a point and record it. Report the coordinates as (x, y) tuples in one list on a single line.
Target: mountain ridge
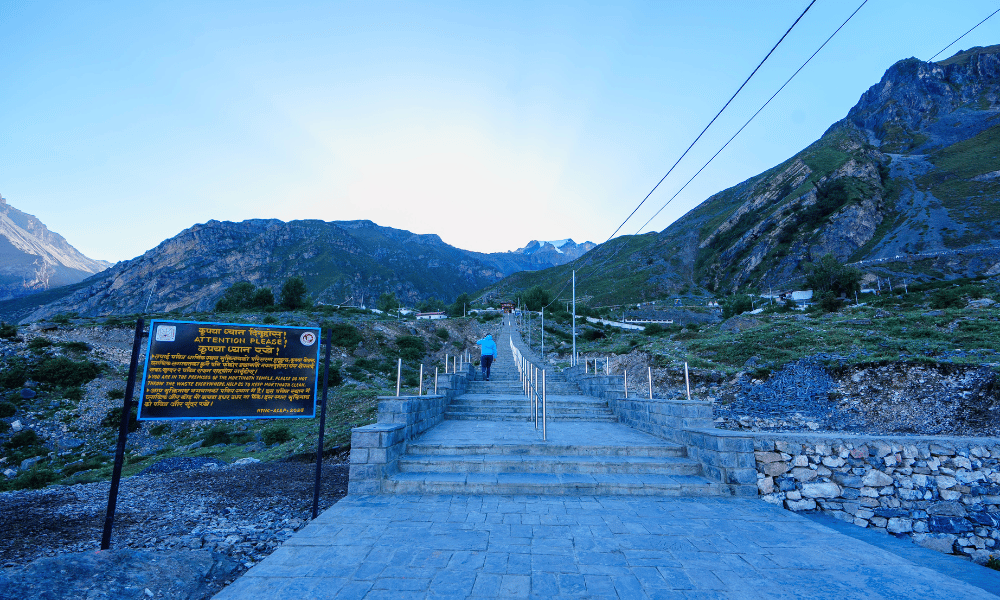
[(342, 262), (34, 259)]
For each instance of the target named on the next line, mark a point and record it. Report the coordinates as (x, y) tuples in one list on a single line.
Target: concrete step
[(499, 463), (563, 484), (661, 450)]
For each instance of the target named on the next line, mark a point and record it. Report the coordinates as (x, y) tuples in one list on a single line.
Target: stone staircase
[(488, 444)]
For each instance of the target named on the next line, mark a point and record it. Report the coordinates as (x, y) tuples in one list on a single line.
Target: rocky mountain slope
[(34, 259), (906, 186), (342, 262)]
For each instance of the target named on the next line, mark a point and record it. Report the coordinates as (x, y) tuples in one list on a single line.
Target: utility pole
[(574, 319)]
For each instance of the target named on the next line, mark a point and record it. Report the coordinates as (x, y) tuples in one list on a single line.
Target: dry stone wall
[(942, 492)]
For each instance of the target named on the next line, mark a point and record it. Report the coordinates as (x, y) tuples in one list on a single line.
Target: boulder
[(820, 490)]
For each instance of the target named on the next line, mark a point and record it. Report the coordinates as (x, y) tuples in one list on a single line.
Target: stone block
[(847, 480), (941, 450), (774, 469), (820, 490), (941, 542), (363, 472), (767, 457), (833, 462), (850, 493), (797, 505), (879, 522), (803, 474), (741, 476), (860, 452), (876, 478), (986, 519), (945, 482), (359, 455), (765, 485), (943, 524), (373, 486), (365, 439)]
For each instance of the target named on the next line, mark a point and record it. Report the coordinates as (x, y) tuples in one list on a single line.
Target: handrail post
[(435, 381), (544, 438), (420, 386), (626, 383), (445, 363), (650, 382), (399, 375), (687, 381)]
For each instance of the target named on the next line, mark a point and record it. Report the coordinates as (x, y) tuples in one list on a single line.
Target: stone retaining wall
[(376, 448), (725, 456), (942, 492)]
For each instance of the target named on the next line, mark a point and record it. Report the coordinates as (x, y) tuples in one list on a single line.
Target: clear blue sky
[(490, 124)]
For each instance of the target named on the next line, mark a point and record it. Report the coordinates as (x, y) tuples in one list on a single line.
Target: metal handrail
[(528, 373)]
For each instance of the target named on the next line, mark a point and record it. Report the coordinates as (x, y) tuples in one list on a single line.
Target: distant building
[(432, 315), (802, 297), (507, 307)]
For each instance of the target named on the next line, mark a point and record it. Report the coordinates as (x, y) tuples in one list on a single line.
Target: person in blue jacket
[(488, 354)]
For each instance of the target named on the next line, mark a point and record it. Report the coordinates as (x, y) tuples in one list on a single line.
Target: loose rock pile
[(231, 517), (945, 496)]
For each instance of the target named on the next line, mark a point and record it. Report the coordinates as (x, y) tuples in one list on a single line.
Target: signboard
[(229, 371)]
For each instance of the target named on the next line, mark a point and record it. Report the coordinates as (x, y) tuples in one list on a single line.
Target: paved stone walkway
[(411, 546)]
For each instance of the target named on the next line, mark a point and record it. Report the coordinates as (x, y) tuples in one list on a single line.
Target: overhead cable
[(713, 119), (753, 116), (963, 35)]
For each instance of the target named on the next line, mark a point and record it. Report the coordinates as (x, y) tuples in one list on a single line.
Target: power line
[(754, 115), (713, 120), (963, 35)]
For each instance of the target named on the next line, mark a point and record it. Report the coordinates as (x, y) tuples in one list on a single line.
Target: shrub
[(158, 430), (344, 335), (217, 435), (39, 343), (13, 375), (592, 335), (239, 296), (7, 410), (276, 434), (23, 439), (8, 331), (61, 319), (356, 372), (116, 394), (653, 329), (946, 298), (35, 479), (442, 333), (830, 275), (113, 419), (735, 305), (4, 426), (74, 393), (411, 347), (75, 346), (66, 372), (269, 320), (828, 302)]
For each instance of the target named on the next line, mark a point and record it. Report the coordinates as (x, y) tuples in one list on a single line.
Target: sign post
[(220, 371)]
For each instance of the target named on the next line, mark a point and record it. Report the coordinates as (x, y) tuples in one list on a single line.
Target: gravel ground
[(241, 512)]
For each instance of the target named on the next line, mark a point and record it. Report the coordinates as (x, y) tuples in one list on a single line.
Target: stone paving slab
[(468, 546)]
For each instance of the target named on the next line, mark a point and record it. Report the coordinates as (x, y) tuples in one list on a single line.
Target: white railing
[(529, 374)]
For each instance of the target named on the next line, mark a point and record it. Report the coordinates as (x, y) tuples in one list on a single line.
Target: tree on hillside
[(830, 275), (262, 298), (432, 304), (387, 302), (736, 304), (459, 306), (239, 296), (293, 294), (536, 298)]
